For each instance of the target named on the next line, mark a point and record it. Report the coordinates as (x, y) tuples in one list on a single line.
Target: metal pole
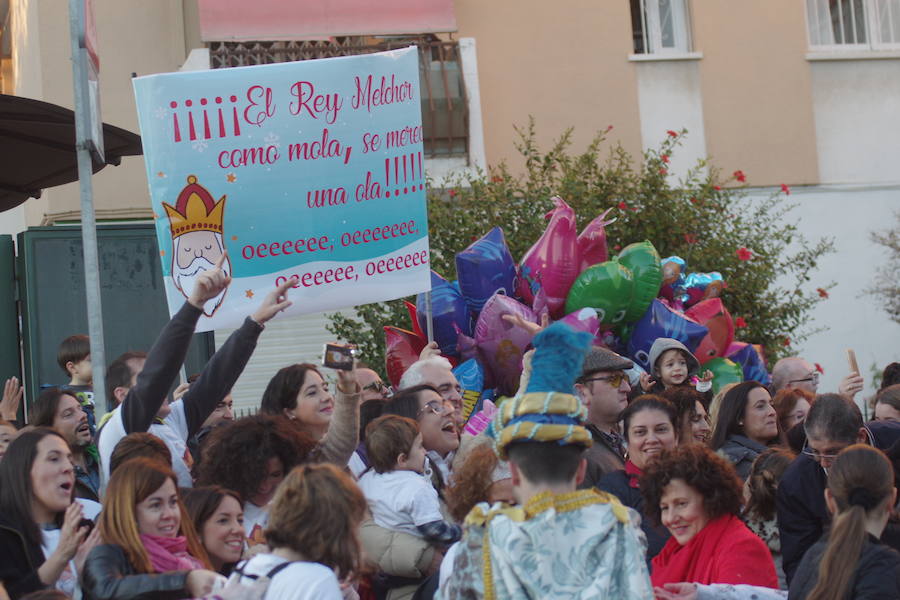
[(88, 222), (429, 323)]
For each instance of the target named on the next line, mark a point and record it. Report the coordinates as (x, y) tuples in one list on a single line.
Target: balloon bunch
[(682, 289), (625, 302)]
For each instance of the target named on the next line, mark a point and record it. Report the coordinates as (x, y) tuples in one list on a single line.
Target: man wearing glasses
[(794, 372), (833, 423), (603, 388)]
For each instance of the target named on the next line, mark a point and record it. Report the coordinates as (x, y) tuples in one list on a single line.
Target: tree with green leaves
[(706, 218), (886, 288)]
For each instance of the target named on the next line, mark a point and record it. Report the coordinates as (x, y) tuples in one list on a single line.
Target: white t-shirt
[(401, 500), (68, 579), (255, 520), (297, 581), (172, 431), (356, 465)]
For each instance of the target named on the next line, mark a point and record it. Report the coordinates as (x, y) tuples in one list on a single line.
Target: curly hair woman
[(251, 457), (696, 495)]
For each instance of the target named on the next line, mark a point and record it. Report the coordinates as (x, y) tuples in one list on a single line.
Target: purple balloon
[(751, 362), (449, 312), (662, 321), (484, 268), (585, 319), (502, 344)]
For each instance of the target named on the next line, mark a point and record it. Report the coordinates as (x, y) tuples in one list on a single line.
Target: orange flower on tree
[(739, 175), (740, 323), (663, 171), (823, 293), (672, 133), (690, 238), (623, 206), (664, 158), (717, 188), (820, 369), (786, 189), (786, 342), (744, 254)]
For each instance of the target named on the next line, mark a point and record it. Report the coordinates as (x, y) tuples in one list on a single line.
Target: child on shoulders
[(400, 496), (672, 364), (74, 358)]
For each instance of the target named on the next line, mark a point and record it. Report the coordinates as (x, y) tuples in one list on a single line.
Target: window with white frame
[(854, 24), (660, 26)]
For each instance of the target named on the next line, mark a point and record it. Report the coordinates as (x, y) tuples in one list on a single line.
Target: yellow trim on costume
[(540, 403), (561, 503)]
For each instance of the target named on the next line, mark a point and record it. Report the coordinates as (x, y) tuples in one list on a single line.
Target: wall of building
[(566, 65), (848, 318), (857, 110)]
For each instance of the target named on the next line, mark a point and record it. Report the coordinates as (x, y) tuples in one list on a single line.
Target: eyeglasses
[(813, 377), (614, 380), (376, 386), (434, 406), (829, 455)]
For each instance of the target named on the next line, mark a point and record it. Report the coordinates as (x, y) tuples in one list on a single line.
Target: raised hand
[(274, 302), (851, 385), (12, 398), (72, 533), (431, 349), (647, 382), (532, 328), (210, 283)]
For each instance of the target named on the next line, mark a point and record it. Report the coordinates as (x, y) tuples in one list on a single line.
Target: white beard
[(185, 278)]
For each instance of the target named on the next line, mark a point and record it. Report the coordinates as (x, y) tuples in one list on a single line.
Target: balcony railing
[(445, 119)]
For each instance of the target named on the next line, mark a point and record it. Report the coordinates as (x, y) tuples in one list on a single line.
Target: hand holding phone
[(339, 356)]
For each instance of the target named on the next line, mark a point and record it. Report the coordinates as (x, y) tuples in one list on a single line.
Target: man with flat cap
[(603, 388)]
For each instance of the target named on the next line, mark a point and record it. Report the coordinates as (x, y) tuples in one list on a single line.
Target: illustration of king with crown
[(197, 243)]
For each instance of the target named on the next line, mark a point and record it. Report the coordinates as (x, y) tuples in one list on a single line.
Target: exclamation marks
[(208, 128), (413, 175), (177, 129), (221, 118), (206, 134)]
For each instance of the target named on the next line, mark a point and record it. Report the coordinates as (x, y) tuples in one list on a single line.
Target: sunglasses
[(614, 380)]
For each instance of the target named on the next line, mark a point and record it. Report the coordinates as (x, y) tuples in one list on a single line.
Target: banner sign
[(310, 170)]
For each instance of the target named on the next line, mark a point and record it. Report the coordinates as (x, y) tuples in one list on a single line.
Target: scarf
[(169, 553), (633, 473), (696, 561)]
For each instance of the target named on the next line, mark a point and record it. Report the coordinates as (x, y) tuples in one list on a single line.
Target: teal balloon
[(724, 372), (643, 261), (607, 288)]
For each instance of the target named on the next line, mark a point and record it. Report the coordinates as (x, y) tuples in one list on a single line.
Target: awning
[(273, 20)]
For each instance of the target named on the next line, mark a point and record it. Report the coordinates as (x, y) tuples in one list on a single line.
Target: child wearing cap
[(400, 497), (673, 365)]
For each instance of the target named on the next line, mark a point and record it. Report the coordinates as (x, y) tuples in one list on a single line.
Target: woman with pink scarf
[(150, 547)]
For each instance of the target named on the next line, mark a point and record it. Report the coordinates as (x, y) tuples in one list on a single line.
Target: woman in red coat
[(696, 495)]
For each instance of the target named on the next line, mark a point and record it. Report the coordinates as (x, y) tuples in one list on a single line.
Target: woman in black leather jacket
[(152, 550)]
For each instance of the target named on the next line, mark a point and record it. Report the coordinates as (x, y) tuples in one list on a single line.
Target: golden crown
[(195, 210)]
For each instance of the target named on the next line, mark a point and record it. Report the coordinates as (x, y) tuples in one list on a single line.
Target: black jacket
[(802, 514), (876, 577), (19, 561), (602, 458), (617, 483), (109, 576)]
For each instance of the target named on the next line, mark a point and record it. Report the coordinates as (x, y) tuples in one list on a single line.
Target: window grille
[(859, 24), (445, 119)]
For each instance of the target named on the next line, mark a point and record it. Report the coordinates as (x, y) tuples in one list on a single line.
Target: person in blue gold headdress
[(558, 542)]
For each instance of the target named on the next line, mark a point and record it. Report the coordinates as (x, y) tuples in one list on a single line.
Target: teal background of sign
[(267, 203)]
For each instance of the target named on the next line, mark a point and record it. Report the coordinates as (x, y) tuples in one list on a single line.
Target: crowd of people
[(590, 482)]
